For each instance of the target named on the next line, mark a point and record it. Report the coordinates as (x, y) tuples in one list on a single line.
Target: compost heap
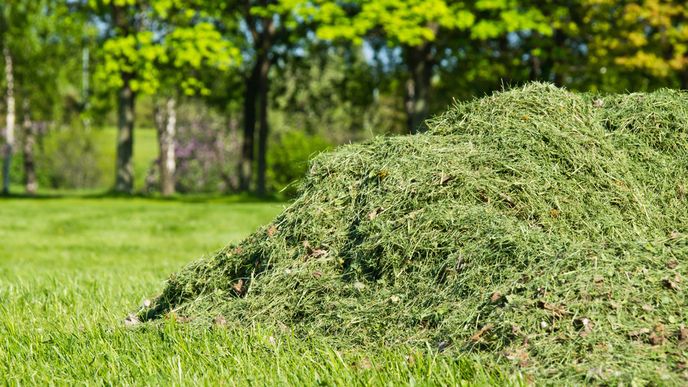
[(537, 227)]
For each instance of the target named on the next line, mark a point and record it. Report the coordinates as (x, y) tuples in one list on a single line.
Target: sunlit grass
[(72, 268)]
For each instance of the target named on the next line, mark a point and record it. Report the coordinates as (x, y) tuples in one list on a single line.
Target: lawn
[(72, 268), (145, 152)]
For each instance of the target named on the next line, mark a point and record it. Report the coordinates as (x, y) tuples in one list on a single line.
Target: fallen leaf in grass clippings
[(272, 230), (683, 334), (239, 287), (584, 324), (318, 253), (444, 179), (317, 274), (672, 284), (131, 320), (648, 308), (177, 318), (658, 335), (220, 321), (554, 213), (478, 336), (495, 297), (374, 213), (557, 310), (364, 364), (672, 264), (520, 356), (638, 333)]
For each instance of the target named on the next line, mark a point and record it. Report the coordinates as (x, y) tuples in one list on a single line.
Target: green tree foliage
[(143, 37), (424, 31)]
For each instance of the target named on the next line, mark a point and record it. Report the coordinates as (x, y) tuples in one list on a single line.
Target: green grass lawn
[(145, 152), (72, 268)]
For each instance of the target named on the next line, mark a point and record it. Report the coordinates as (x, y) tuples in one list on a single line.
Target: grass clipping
[(536, 227)]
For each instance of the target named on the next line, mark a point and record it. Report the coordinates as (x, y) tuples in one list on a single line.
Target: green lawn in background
[(145, 152), (72, 268)]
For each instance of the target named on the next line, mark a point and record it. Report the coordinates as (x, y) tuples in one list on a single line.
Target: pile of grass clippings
[(536, 228)]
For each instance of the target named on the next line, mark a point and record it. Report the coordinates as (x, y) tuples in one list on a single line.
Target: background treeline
[(233, 96)]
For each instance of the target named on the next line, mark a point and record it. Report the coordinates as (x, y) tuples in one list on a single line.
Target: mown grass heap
[(534, 227)]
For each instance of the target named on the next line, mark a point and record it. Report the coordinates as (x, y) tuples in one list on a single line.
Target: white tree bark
[(166, 123), (169, 160), (10, 121)]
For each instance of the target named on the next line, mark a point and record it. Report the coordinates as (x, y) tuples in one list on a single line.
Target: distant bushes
[(66, 158), (288, 160)]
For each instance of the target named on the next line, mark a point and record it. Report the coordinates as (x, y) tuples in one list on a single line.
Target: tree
[(423, 33), (647, 41), (189, 49), (136, 44), (34, 37)]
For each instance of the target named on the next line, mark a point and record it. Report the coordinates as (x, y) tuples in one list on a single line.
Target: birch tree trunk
[(166, 137), (30, 181), (10, 120)]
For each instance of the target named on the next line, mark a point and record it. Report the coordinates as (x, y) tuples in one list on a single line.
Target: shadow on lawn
[(190, 198)]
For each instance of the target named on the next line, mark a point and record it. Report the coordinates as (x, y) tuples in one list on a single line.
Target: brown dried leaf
[(637, 334), (584, 324), (657, 337), (317, 274), (507, 199), (239, 287), (365, 364), (671, 284), (518, 355), (220, 321), (496, 296), (444, 179), (478, 336), (317, 253), (672, 264), (131, 320), (557, 310), (683, 334), (554, 213), (272, 230)]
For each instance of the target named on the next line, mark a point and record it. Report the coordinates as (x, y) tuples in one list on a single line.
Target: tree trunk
[(124, 169), (419, 60), (166, 123), (264, 128), (684, 79), (30, 181), (10, 120), (231, 175), (246, 164)]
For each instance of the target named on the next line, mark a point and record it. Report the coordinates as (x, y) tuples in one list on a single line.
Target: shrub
[(67, 158), (288, 160)]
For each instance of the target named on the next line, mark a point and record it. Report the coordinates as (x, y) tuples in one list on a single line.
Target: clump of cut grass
[(537, 228)]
